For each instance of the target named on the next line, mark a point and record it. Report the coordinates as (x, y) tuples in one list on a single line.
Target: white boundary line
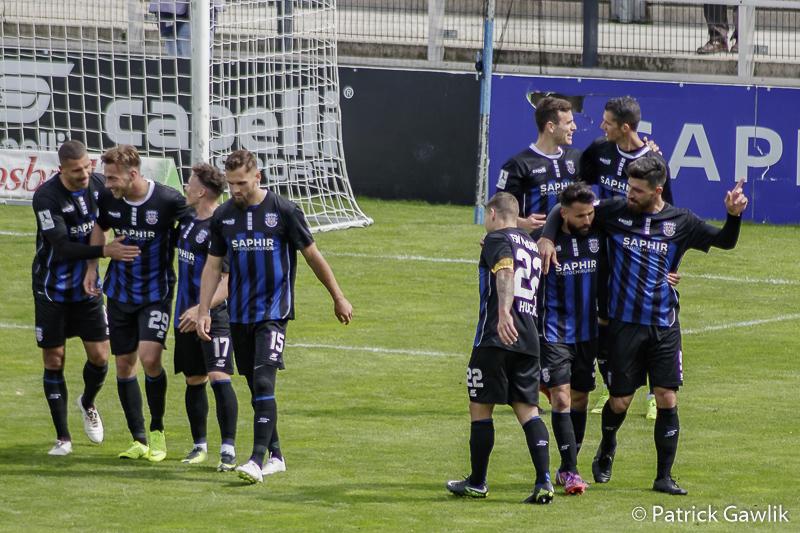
[(747, 323), (16, 234)]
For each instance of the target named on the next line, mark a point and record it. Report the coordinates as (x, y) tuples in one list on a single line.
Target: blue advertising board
[(709, 134)]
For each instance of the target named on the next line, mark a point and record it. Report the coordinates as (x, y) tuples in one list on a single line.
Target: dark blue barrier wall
[(709, 134)]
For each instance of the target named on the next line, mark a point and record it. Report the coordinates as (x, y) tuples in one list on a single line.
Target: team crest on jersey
[(668, 228), (271, 220), (151, 217), (201, 236), (594, 245), (571, 167)]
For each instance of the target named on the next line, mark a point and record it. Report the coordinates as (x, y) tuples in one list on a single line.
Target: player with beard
[(647, 239), (260, 233)]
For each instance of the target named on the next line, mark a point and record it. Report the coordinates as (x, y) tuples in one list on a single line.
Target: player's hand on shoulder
[(735, 200), (118, 251), (343, 310), (532, 222), (652, 144), (547, 251)]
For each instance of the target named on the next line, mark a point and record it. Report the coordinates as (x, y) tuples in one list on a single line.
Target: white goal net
[(110, 72)]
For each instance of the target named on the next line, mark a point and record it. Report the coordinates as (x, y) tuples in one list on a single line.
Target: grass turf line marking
[(747, 323), (713, 277), (17, 234)]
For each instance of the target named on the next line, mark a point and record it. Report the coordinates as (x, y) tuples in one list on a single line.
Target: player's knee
[(264, 382), (620, 404), (53, 358), (560, 398), (579, 400), (97, 353), (665, 398)]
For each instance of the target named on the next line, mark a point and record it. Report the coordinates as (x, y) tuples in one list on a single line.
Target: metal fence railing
[(551, 31)]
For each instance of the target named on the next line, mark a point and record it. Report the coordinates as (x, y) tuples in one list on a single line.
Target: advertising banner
[(710, 135)]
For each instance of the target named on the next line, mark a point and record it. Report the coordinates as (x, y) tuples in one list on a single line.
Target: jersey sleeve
[(587, 166), (497, 252), (217, 245), (702, 234), (298, 230), (605, 210), (49, 219), (181, 209), (511, 180), (103, 200)]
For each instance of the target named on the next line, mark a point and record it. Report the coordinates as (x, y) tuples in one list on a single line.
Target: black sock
[(481, 442), (265, 416), (565, 438), (197, 411), (275, 445), (55, 391), (156, 391), (611, 422), (131, 399), (579, 427), (227, 410), (665, 433), (93, 379), (538, 445)]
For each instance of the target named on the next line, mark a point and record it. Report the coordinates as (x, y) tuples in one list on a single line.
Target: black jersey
[(642, 249), (569, 291), (536, 179), (149, 224), (261, 244), (63, 214), (517, 248), (605, 164), (194, 235)]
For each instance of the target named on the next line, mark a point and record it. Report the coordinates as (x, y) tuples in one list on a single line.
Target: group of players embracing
[(579, 264), (235, 295)]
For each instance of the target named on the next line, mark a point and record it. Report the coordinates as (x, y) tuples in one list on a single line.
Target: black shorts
[(499, 376), (637, 351), (258, 344), (131, 323), (58, 321), (571, 364), (195, 357)]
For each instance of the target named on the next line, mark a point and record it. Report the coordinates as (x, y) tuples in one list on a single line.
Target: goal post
[(263, 77)]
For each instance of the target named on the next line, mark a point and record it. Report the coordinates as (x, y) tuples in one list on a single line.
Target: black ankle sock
[(156, 391), (481, 442), (579, 427), (197, 410), (227, 410), (665, 434), (611, 422), (93, 379), (55, 391), (538, 446), (131, 399), (565, 438), (265, 416), (275, 445)]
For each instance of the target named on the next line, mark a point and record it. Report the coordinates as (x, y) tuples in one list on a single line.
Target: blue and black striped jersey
[(605, 164), (62, 215), (569, 291), (261, 244), (194, 236), (536, 179), (642, 249), (149, 224), (503, 248)]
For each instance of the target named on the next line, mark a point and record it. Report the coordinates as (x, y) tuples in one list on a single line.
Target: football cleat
[(250, 472), (92, 424), (601, 467), (574, 484), (227, 462), (158, 447), (273, 466), (652, 408), (196, 456), (542, 494), (136, 451), (61, 447), (462, 487), (668, 485)]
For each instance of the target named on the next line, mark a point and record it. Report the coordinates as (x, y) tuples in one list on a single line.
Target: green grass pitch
[(373, 416)]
